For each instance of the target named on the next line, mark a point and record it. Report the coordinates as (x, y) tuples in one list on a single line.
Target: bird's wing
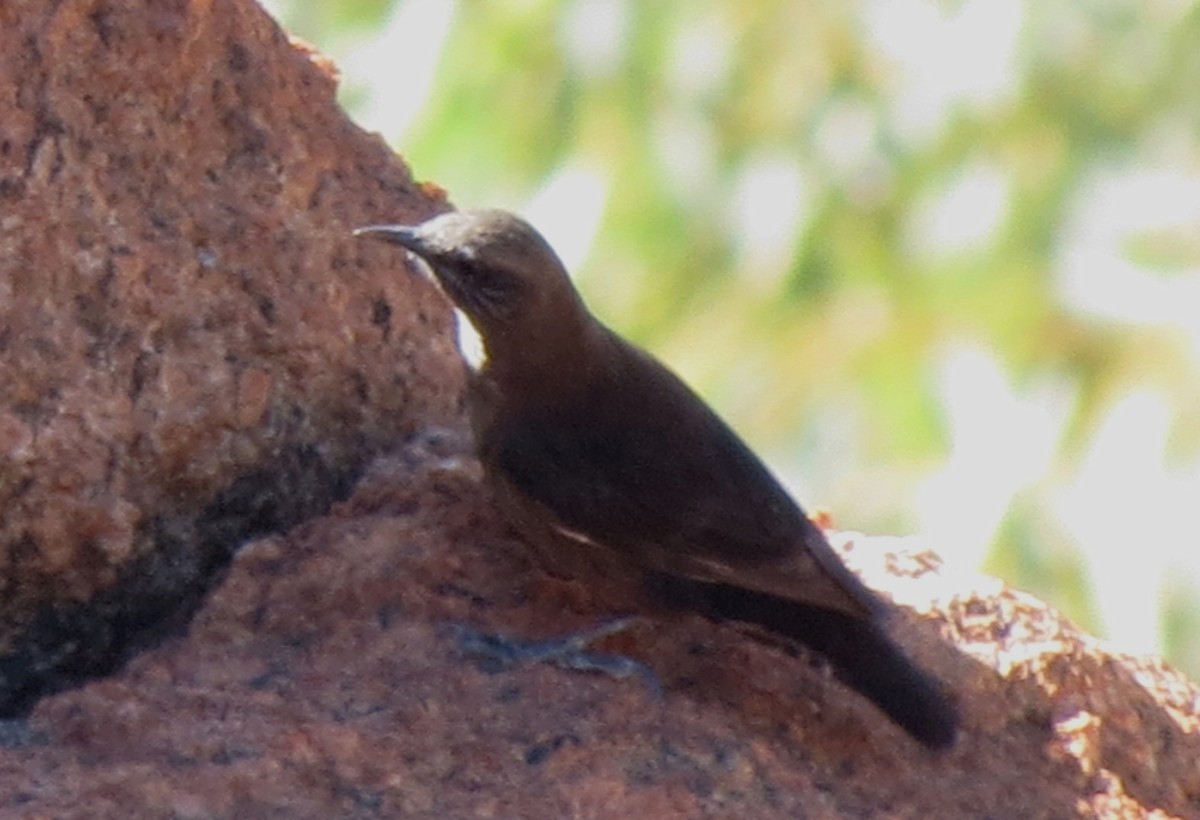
[(643, 467)]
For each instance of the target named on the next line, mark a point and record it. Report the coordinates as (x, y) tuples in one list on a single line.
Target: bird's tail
[(862, 655)]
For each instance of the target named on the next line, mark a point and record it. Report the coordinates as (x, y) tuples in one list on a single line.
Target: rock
[(193, 349), (325, 678)]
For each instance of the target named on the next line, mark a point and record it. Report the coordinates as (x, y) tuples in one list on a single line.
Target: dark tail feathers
[(862, 655)]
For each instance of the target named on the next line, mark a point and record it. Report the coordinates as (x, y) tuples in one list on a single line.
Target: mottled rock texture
[(193, 349), (325, 678)]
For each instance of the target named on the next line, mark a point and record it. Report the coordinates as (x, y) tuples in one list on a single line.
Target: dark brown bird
[(612, 467)]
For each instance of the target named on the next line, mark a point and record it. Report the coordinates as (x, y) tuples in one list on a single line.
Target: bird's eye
[(493, 291)]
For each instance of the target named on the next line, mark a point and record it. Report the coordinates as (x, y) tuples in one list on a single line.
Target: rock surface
[(325, 678), (193, 349)]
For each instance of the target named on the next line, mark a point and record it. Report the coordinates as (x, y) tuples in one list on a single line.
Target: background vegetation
[(938, 261)]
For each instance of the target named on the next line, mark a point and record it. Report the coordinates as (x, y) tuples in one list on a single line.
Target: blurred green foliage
[(851, 225)]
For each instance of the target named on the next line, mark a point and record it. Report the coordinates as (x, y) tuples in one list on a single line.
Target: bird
[(614, 471)]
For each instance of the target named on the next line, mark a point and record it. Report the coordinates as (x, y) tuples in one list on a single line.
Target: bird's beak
[(411, 238), (402, 235)]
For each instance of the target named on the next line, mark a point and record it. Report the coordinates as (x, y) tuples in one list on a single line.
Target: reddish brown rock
[(193, 349), (324, 678)]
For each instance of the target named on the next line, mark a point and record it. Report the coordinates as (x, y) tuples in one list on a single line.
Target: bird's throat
[(542, 363)]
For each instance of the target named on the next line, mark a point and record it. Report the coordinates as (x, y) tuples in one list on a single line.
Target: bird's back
[(629, 459)]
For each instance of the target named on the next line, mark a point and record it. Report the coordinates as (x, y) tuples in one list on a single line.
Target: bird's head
[(493, 265)]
